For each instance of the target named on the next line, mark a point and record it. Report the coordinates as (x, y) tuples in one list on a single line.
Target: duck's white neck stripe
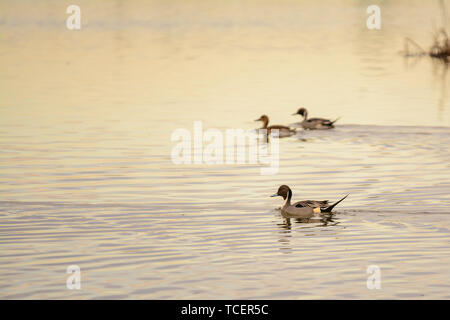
[(287, 201)]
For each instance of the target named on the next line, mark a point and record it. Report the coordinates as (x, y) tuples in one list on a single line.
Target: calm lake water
[(87, 179)]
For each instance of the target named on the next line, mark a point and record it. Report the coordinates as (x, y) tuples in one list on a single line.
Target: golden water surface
[(86, 176)]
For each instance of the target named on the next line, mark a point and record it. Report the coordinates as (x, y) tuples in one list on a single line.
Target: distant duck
[(283, 130), (302, 209), (314, 123)]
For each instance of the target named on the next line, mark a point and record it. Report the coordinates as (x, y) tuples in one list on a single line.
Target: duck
[(302, 209), (283, 130), (314, 123)]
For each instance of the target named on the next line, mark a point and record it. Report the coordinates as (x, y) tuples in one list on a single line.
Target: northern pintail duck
[(302, 209), (314, 123), (283, 130)]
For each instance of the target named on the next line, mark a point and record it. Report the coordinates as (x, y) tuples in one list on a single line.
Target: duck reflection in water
[(323, 221)]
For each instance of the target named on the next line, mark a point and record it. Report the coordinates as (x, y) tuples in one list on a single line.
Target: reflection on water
[(440, 70), (316, 222), (87, 179)]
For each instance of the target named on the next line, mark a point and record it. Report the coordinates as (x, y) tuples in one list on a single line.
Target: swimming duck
[(302, 209), (283, 131), (314, 123)]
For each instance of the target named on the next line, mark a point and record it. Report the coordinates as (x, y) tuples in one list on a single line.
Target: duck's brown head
[(264, 119), (301, 111), (283, 191)]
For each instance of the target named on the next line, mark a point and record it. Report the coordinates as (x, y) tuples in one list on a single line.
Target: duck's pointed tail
[(332, 122), (328, 209)]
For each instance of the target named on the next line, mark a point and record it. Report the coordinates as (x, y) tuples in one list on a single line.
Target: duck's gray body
[(312, 203), (289, 210), (282, 131), (314, 123)]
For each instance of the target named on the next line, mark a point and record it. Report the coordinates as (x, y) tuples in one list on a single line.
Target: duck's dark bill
[(274, 195)]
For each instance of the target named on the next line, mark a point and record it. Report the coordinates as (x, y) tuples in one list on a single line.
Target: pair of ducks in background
[(307, 208), (307, 124)]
